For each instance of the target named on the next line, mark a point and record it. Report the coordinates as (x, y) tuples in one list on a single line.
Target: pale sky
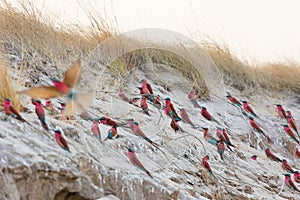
[(266, 30)]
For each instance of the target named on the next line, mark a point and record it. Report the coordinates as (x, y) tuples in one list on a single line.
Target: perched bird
[(204, 112), (221, 149), (288, 182), (222, 135), (62, 108), (138, 131), (292, 124), (134, 101), (144, 106), (170, 110), (61, 140), (146, 87), (96, 130), (297, 176), (272, 156), (136, 162), (64, 87), (234, 101), (123, 96), (208, 137), (193, 98), (290, 133), (11, 110), (297, 153), (157, 102), (112, 133), (280, 111), (285, 166), (289, 113), (186, 118), (248, 108), (39, 110), (51, 108), (254, 157), (204, 163), (256, 127), (175, 125), (107, 121)]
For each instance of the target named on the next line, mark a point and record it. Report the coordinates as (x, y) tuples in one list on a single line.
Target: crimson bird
[(248, 108), (61, 140), (144, 106), (297, 176), (256, 127), (107, 121), (288, 182), (157, 102), (51, 108), (285, 166), (175, 125), (112, 133), (39, 110), (290, 133), (280, 111), (193, 98), (146, 87), (134, 101), (234, 101), (186, 118), (289, 113), (212, 140), (221, 149), (297, 153), (292, 124), (222, 135), (11, 110), (96, 130), (170, 110), (254, 157), (64, 87), (204, 163), (138, 131), (204, 112), (272, 156), (136, 162)]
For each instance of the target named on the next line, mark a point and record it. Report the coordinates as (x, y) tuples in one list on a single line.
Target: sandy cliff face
[(32, 166)]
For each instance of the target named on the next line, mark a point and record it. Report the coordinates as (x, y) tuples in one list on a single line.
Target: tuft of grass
[(7, 86)]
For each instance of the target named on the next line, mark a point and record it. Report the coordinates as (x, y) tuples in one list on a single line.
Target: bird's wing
[(206, 165), (13, 110), (43, 92), (136, 162), (73, 74), (149, 88), (63, 142)]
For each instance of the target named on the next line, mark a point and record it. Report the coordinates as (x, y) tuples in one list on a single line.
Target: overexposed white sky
[(263, 30)]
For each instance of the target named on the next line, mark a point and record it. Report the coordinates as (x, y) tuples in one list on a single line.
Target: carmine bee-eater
[(136, 162), (144, 106), (193, 98), (96, 130), (170, 110), (289, 113), (222, 135), (285, 166), (39, 110), (186, 118), (254, 157), (248, 108), (234, 101), (134, 101), (297, 153), (204, 112), (208, 137), (138, 131), (288, 182), (157, 102), (272, 156), (297, 176), (290, 133), (221, 149), (64, 87), (11, 110), (280, 111), (256, 127), (112, 133), (146, 86), (51, 108), (204, 163), (175, 125), (107, 121), (61, 140), (292, 124)]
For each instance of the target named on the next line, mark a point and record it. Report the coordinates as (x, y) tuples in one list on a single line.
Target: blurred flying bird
[(61, 140), (136, 162), (272, 156), (290, 133), (39, 110), (11, 110), (248, 108)]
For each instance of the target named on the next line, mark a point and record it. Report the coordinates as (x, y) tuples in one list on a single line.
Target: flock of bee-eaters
[(221, 141)]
